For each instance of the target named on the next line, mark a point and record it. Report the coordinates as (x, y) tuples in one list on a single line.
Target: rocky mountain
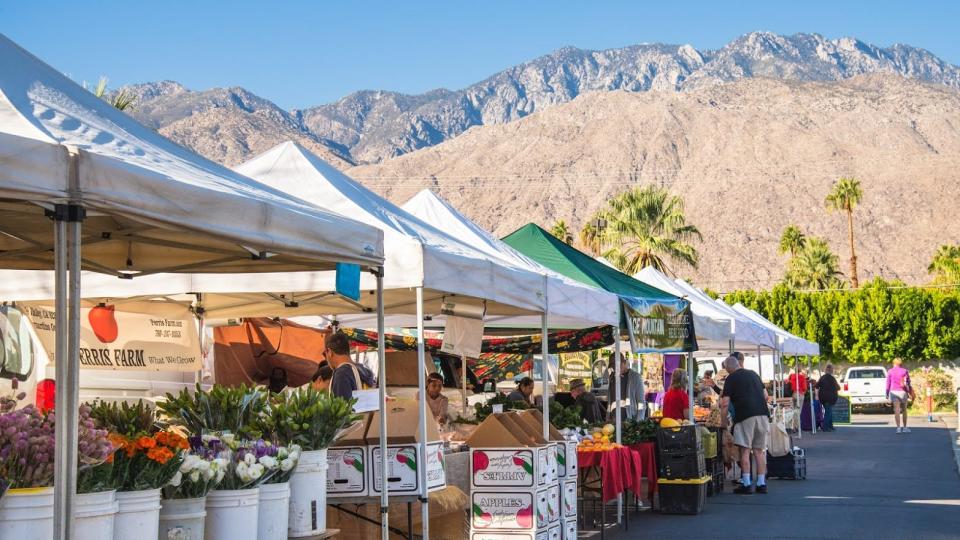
[(749, 157), (370, 126), (229, 125)]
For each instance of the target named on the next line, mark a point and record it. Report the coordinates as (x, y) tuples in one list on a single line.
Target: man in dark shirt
[(828, 389), (590, 409), (751, 421), (336, 352)]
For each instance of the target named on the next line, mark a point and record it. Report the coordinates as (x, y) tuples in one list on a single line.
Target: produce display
[(599, 440), (486, 409), (638, 431)]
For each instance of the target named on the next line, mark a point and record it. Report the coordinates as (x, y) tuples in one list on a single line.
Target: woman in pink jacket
[(898, 392)]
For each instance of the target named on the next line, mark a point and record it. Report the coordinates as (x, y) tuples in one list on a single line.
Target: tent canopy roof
[(744, 330), (543, 247), (713, 327), (570, 303), (417, 254), (152, 205), (790, 344)]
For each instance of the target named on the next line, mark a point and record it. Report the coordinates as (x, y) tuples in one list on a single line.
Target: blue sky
[(300, 54)]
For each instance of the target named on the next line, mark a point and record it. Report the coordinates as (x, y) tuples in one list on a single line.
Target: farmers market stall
[(68, 157)]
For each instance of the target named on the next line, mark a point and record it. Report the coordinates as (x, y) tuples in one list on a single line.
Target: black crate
[(679, 440), (717, 480), (790, 467), (714, 466), (682, 466), (683, 498)]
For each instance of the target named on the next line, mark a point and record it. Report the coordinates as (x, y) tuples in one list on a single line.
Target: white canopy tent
[(744, 330), (146, 205), (571, 304), (713, 327), (789, 344)]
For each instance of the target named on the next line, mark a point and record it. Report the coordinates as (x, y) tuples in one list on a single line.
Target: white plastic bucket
[(182, 519), (139, 514), (308, 495), (274, 511), (27, 514), (94, 515), (232, 514)]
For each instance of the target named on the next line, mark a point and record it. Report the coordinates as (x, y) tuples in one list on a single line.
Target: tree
[(792, 240), (646, 227), (945, 265), (562, 232), (590, 239), (846, 195), (814, 267), (122, 100)]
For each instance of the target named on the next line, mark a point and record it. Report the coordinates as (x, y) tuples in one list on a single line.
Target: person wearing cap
[(590, 409)]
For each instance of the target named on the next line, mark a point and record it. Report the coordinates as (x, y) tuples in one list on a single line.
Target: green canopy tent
[(653, 320), (659, 321)]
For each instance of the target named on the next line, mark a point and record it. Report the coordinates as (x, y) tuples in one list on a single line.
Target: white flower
[(282, 453), (250, 459), (220, 475), (228, 439), (177, 478), (256, 471), (287, 464), (195, 477), (269, 462)]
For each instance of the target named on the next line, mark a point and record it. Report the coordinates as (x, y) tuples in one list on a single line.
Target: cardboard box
[(555, 532), (348, 463), (520, 511), (504, 455), (532, 422), (569, 496), (568, 528), (403, 451), (566, 450), (502, 535), (554, 510)]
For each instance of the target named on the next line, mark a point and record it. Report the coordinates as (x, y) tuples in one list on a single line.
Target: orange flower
[(110, 457), (160, 454), (146, 442), (172, 440)]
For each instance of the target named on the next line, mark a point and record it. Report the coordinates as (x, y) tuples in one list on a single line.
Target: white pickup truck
[(866, 386)]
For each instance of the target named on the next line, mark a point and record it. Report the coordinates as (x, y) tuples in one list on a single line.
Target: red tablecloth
[(647, 452), (619, 470)]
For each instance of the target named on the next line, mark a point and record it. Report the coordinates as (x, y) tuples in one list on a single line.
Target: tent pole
[(65, 449), (545, 376), (619, 395), (690, 385), (813, 416), (463, 381), (799, 409), (759, 364), (201, 328), (422, 412), (382, 383)]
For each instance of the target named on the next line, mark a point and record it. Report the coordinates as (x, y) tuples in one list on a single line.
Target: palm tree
[(792, 240), (814, 267), (562, 232), (946, 264), (647, 226), (846, 195), (121, 101), (590, 239)]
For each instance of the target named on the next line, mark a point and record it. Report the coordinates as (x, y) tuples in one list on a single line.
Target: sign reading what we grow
[(141, 336)]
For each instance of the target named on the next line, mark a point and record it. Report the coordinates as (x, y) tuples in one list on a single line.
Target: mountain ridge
[(370, 126)]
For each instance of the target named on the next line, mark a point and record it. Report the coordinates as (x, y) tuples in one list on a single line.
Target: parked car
[(866, 386)]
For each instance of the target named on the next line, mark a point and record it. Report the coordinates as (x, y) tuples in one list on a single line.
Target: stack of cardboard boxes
[(519, 489), (353, 462)]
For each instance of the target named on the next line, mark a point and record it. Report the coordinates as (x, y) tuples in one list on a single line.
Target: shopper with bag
[(828, 389), (899, 392), (751, 422)]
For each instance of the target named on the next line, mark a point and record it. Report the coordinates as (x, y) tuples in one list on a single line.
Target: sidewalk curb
[(954, 441)]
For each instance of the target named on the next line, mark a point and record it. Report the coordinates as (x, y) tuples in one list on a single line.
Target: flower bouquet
[(146, 457), (221, 409), (308, 418), (201, 470)]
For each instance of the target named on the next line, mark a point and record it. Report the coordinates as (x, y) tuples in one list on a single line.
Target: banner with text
[(660, 326), (134, 335)]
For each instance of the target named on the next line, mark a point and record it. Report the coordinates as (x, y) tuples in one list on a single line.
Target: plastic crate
[(710, 445), (679, 439), (682, 496), (682, 466), (790, 467)]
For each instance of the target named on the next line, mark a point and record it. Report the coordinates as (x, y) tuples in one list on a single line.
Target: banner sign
[(135, 336), (661, 326)]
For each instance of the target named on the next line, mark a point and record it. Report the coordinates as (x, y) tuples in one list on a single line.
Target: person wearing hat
[(590, 409)]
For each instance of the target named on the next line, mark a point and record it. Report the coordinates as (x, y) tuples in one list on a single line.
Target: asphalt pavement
[(863, 481)]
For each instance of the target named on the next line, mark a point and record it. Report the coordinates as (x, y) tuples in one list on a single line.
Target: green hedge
[(874, 323)]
